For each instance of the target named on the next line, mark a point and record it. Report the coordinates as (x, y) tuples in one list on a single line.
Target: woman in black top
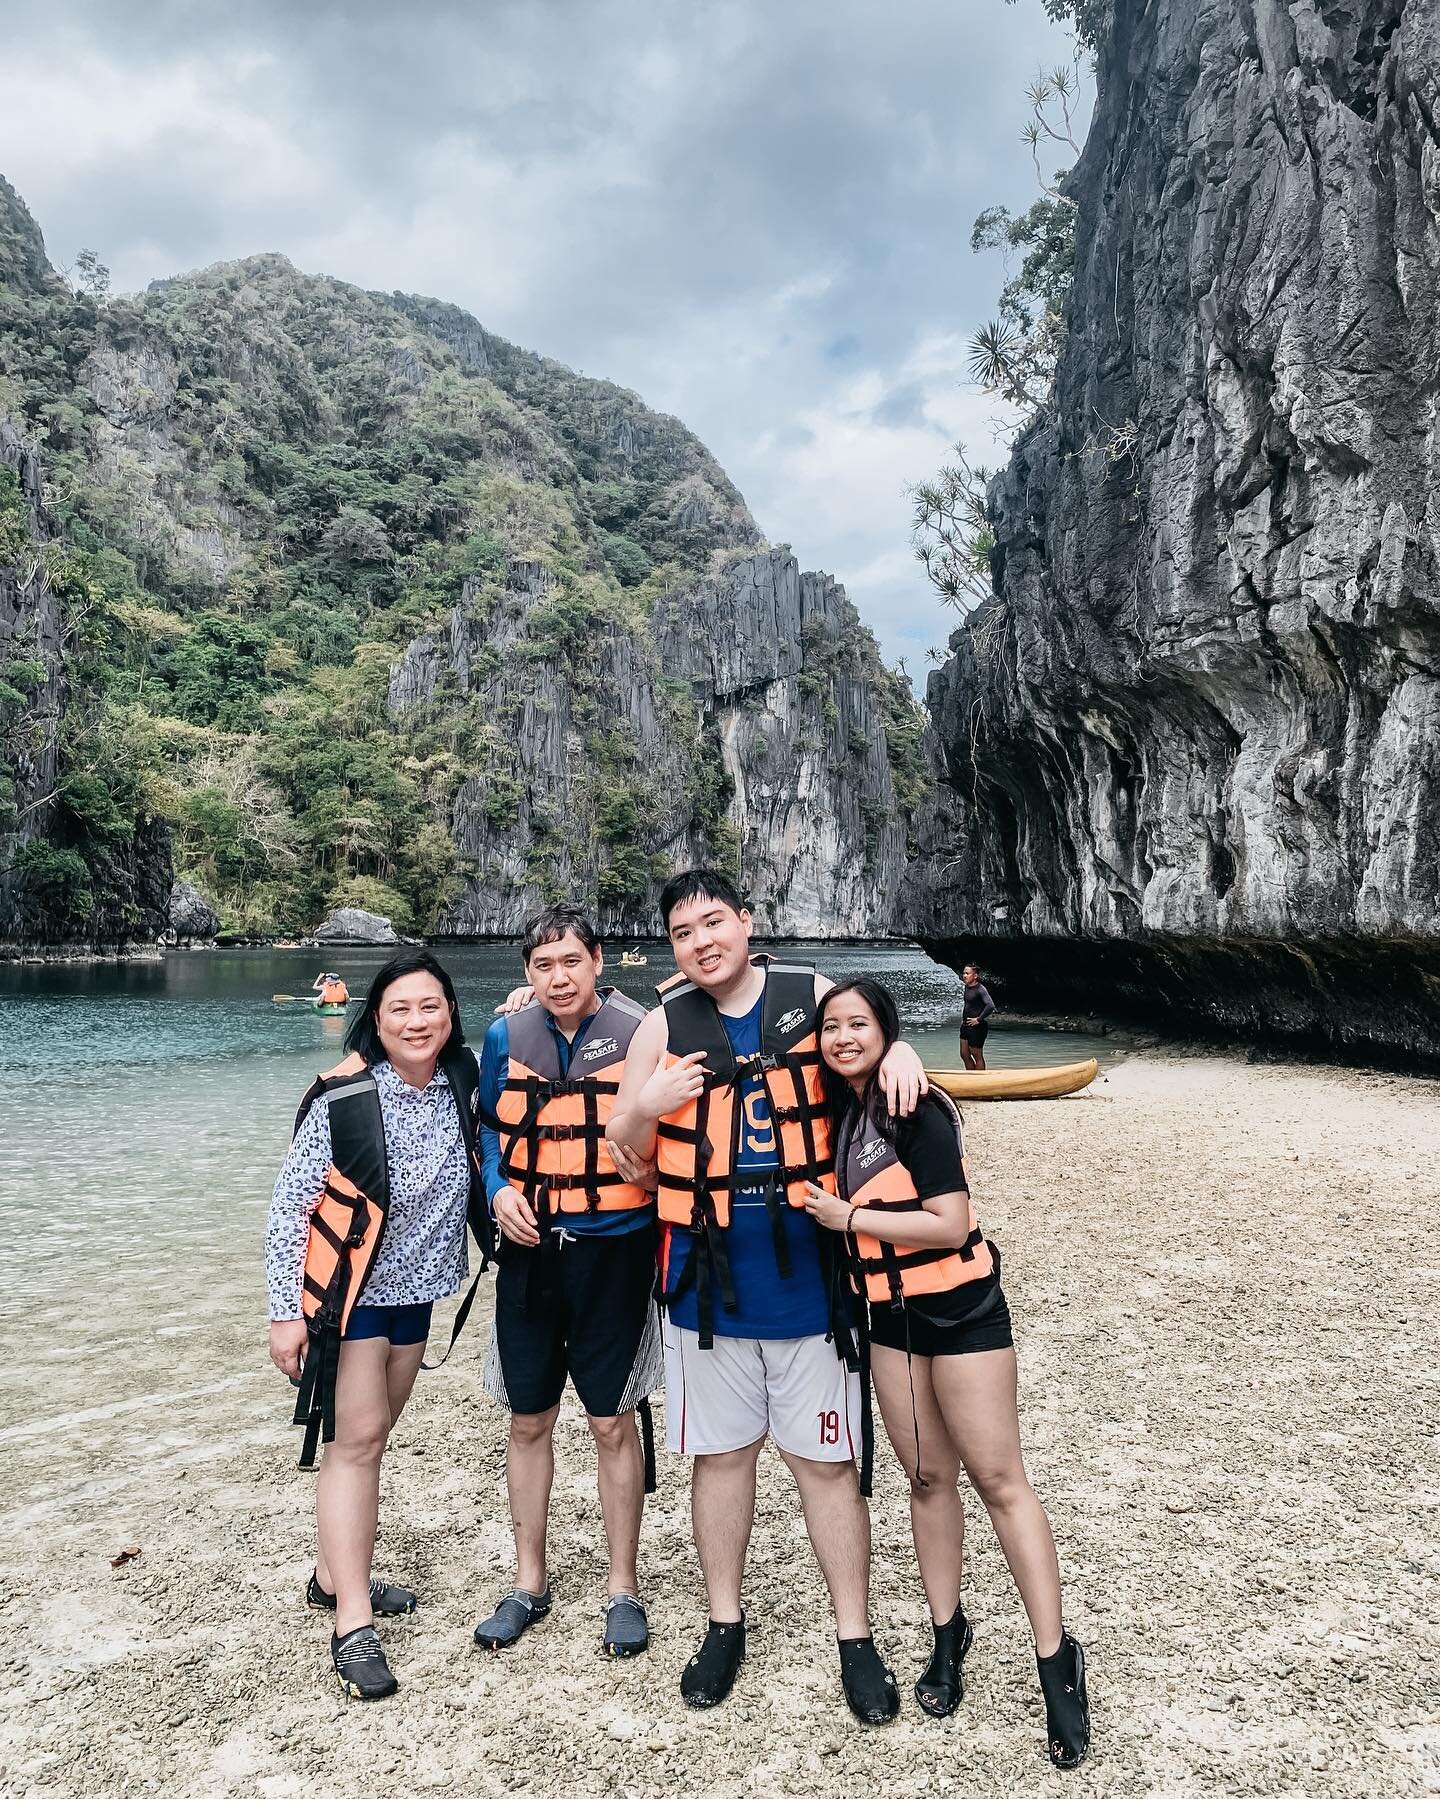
[(942, 1356), (975, 1022)]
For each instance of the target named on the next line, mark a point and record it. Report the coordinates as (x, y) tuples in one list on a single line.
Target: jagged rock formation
[(743, 721), (349, 924), (193, 920), (1199, 726), (386, 613)]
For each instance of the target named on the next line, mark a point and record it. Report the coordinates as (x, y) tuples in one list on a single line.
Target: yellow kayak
[(1015, 1083)]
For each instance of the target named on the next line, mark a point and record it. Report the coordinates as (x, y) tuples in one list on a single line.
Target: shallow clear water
[(144, 1107)]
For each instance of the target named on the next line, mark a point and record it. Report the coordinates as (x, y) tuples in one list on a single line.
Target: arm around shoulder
[(632, 1123)]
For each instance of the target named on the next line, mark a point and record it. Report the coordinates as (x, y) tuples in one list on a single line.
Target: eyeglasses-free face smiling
[(711, 942), (563, 974), (851, 1040), (413, 1019)]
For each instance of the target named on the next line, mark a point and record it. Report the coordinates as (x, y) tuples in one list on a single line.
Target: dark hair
[(839, 1094), (551, 925), (364, 1033), (699, 883)]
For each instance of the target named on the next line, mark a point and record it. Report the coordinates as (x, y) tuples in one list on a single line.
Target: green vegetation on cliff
[(260, 487)]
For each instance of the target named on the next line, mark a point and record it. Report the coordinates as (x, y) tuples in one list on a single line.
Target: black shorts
[(946, 1323), (582, 1306), (974, 1031)]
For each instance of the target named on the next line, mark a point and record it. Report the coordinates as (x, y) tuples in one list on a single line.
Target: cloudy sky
[(756, 213)]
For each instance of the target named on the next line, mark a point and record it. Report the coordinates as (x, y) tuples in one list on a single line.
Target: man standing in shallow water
[(975, 1023), (722, 1085)]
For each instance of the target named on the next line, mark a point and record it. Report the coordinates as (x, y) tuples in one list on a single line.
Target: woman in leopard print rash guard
[(415, 1083)]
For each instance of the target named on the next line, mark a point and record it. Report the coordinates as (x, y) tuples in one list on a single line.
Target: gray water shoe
[(627, 1630)]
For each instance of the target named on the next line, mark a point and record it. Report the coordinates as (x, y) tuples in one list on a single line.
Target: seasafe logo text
[(872, 1153), (603, 1046), (791, 1021)]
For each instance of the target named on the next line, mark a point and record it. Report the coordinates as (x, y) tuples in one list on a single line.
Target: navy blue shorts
[(401, 1324)]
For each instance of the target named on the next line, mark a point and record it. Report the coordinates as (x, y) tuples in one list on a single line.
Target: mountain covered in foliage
[(320, 597)]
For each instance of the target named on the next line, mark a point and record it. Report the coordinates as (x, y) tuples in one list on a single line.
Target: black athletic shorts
[(582, 1306), (974, 1031), (964, 1321)]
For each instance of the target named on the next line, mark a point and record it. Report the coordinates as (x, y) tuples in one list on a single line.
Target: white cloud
[(755, 216)]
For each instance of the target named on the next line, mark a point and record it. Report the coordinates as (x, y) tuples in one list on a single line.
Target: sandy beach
[(1223, 1278)]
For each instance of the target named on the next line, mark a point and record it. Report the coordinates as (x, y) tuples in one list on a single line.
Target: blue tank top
[(767, 1305)]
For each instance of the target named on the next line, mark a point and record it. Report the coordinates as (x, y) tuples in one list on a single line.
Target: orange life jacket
[(697, 1146), (551, 1123), (348, 1222), (334, 993), (872, 1174)]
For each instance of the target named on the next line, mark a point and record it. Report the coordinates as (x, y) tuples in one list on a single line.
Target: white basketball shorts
[(795, 1388)]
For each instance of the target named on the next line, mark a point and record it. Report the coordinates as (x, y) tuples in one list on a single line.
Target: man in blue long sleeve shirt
[(574, 1295)]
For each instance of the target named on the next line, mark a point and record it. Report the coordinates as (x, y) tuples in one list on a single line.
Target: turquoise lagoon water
[(144, 1107)]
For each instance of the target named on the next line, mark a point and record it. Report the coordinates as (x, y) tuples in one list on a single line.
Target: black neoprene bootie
[(942, 1686), (710, 1672), (870, 1689), (1067, 1704), (361, 1665)]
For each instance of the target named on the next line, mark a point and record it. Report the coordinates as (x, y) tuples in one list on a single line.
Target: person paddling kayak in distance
[(367, 1230), (575, 1290), (941, 1352), (975, 1024), (332, 990), (722, 1085)]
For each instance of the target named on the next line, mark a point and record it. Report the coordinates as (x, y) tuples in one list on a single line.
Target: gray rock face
[(1197, 733), (192, 918), (748, 712), (350, 924)]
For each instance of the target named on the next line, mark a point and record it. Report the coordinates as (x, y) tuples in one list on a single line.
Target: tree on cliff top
[(1013, 357)]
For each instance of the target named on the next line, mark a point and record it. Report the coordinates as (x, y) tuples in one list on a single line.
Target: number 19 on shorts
[(829, 1427)]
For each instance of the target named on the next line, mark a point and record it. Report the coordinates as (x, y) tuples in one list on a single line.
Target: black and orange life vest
[(551, 1123), (698, 1146), (871, 1174), (347, 1225)]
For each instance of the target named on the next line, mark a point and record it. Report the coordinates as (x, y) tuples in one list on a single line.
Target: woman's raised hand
[(830, 1213)]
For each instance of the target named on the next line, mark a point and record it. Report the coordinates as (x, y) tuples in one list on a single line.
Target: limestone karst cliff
[(1196, 733), (349, 602)]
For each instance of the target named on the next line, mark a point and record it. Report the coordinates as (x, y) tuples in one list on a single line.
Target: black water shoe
[(942, 1686), (361, 1665), (386, 1601), (870, 1689), (1067, 1704), (710, 1672), (510, 1620)]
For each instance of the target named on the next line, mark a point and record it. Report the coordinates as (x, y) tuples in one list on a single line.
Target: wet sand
[(1223, 1279)]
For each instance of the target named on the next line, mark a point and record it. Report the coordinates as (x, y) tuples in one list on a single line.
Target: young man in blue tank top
[(772, 1369)]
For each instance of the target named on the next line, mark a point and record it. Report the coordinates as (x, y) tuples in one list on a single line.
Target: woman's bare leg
[(347, 1486), (937, 1517), (976, 1396)]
